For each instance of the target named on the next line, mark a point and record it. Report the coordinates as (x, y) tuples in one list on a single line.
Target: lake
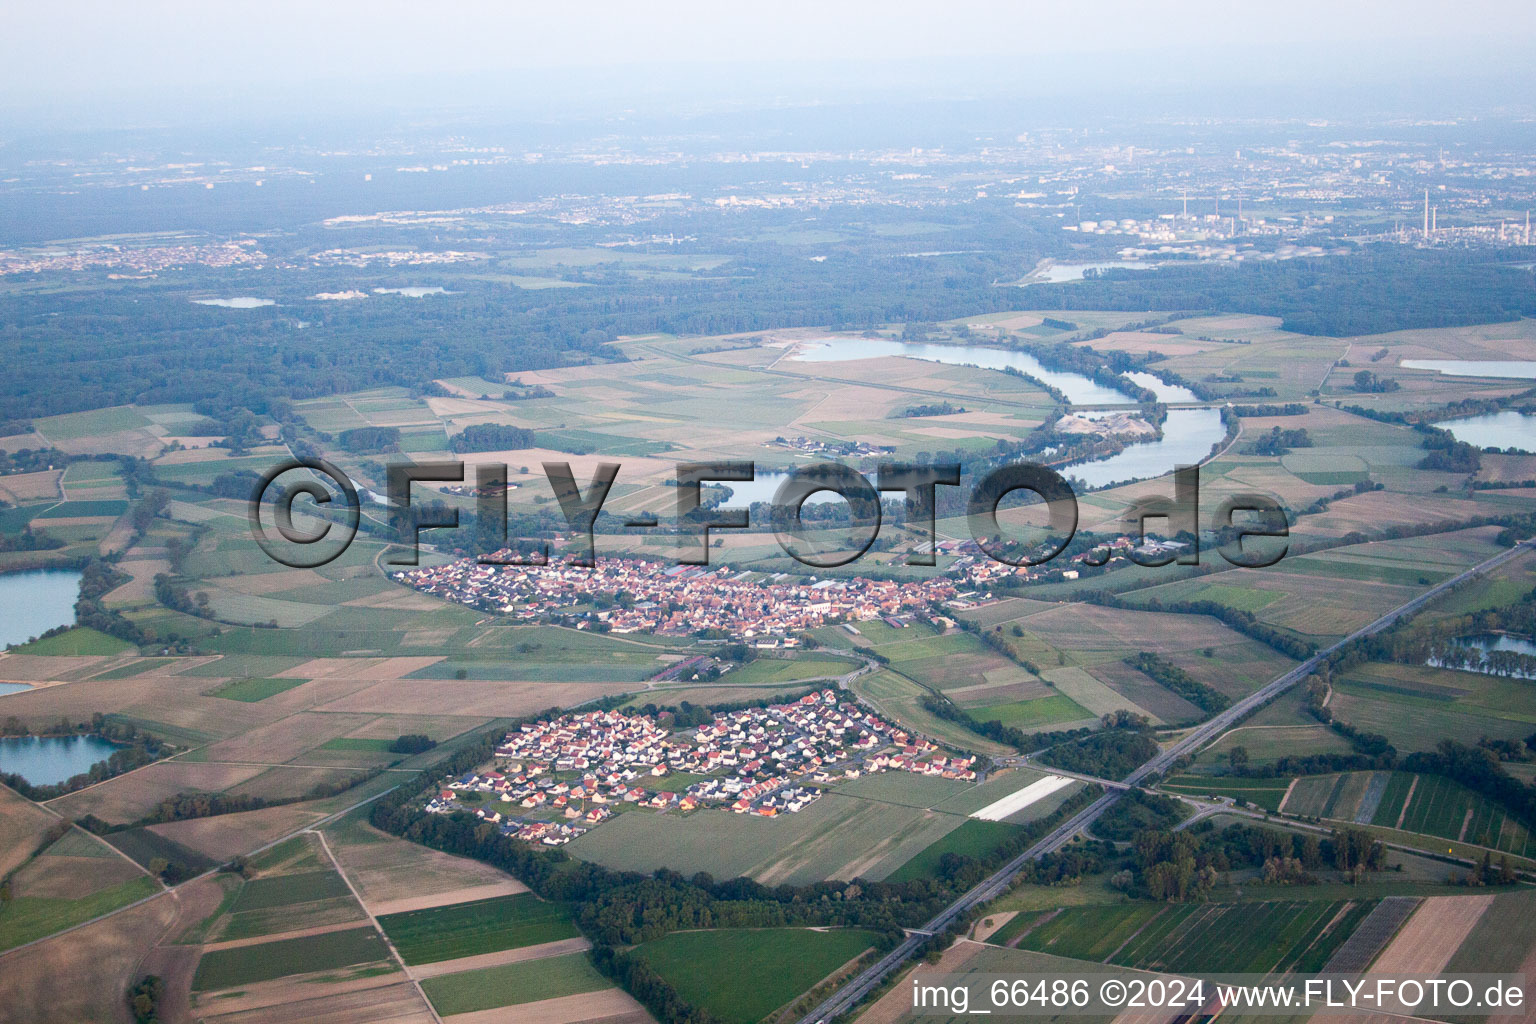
[(1188, 435), (765, 485), (238, 302), (1079, 390), (414, 291), (1057, 273), (1507, 429), (35, 601), (49, 760), (1511, 368)]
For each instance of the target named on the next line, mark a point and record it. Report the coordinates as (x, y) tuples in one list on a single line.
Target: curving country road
[(871, 977)]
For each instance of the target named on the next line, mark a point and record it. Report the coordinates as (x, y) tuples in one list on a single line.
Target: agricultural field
[(252, 690), (513, 984), (1330, 593), (482, 926), (1503, 939), (246, 965), (901, 700), (1265, 793), (108, 952), (26, 918), (975, 838), (293, 888), (838, 836), (393, 875), (1257, 937), (1416, 706), (1435, 806), (1348, 797), (690, 962)]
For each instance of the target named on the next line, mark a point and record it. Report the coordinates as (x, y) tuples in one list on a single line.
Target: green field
[(136, 667), (303, 898), (1032, 714), (283, 890), (481, 926), (357, 743), (74, 425), (837, 835), (82, 509), (26, 918), (791, 960), (252, 690), (77, 641), (245, 965), (1440, 807), (1255, 937), (1266, 793), (509, 984), (976, 838)]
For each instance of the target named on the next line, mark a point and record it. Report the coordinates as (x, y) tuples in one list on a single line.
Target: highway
[(871, 977)]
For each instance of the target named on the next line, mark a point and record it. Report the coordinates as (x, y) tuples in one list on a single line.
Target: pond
[(1188, 435), (1507, 429), (6, 688), (49, 760), (1079, 390), (1057, 273), (1485, 648), (33, 602), (1511, 368), (414, 291), (238, 302)]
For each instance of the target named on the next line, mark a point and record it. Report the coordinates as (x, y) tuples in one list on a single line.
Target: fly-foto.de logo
[(1252, 528)]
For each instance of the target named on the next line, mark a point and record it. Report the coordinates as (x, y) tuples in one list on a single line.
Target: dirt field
[(176, 963), (22, 824), (377, 1000), (393, 875), (483, 697), (896, 1003), (109, 953), (72, 877), (611, 1006), (21, 487), (286, 738), (229, 835), (1425, 944), (130, 797)]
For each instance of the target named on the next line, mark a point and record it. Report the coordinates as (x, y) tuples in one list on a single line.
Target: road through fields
[(871, 977)]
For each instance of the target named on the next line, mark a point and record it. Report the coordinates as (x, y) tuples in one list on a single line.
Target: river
[(1080, 390)]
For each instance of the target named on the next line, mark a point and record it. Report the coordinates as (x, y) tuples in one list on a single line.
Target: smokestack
[(1434, 220), (1426, 213)]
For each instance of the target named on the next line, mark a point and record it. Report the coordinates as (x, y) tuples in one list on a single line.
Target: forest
[(1372, 292)]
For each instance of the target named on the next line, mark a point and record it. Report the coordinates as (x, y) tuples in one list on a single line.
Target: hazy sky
[(70, 53)]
